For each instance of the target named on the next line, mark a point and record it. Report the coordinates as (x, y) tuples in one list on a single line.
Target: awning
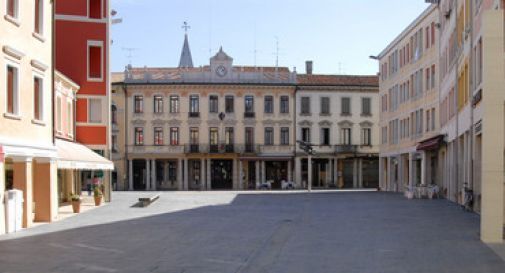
[(75, 156), (431, 143)]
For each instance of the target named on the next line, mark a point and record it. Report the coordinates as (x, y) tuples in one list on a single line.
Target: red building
[(82, 54)]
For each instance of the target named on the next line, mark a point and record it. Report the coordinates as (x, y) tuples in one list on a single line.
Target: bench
[(146, 201)]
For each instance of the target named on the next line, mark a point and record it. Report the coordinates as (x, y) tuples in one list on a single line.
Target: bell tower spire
[(186, 60)]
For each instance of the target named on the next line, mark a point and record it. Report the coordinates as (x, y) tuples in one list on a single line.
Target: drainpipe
[(125, 91), (53, 66), (472, 128)]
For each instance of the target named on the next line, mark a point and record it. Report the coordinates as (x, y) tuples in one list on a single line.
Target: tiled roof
[(305, 79)]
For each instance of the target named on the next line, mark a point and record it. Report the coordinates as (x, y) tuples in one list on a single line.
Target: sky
[(337, 35)]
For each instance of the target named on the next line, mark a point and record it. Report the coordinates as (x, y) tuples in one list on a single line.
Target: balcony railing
[(214, 149), (346, 149), (194, 114), (156, 149), (249, 115), (194, 148)]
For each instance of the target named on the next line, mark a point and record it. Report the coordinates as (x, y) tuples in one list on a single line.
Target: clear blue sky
[(337, 35)]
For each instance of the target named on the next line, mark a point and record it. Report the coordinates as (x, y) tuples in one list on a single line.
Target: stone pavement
[(250, 232)]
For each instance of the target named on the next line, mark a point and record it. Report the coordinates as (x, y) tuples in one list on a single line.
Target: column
[(153, 175), (389, 172), (45, 191), (148, 174), (209, 179), (234, 175), (423, 168), (336, 173), (22, 169), (411, 172), (360, 173), (401, 173), (381, 173), (240, 175), (263, 172), (355, 173), (186, 174), (130, 174), (179, 174), (309, 170), (298, 172), (202, 174), (290, 171), (257, 169)]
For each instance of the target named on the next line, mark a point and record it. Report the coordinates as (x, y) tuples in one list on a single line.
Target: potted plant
[(97, 193), (76, 202)]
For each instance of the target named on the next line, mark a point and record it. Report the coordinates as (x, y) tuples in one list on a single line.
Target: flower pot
[(76, 206), (98, 200)]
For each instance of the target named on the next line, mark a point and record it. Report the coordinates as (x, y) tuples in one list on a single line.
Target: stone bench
[(146, 201)]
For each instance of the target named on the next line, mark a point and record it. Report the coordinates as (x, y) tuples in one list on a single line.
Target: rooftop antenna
[(185, 26), (130, 53)]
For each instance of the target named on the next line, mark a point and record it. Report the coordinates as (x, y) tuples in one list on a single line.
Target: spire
[(186, 60)]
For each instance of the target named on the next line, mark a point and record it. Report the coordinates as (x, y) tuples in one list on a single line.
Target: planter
[(76, 206), (98, 200)]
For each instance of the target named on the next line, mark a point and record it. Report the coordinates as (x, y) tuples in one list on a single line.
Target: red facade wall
[(72, 38), (72, 7), (91, 135), (82, 110)]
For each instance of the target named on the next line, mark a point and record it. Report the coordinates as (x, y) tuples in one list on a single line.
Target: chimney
[(308, 67)]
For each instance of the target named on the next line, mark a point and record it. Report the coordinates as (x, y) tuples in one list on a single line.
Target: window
[(95, 110), (194, 136), (138, 104), (305, 106), (346, 106), (306, 134), (229, 104), (12, 90), (37, 99), (158, 104), (428, 78), (346, 136), (95, 9), (12, 8), (325, 136), (158, 136), (95, 64), (174, 136), (139, 136), (213, 136), (39, 16), (366, 107), (194, 104), (113, 111), (174, 104), (433, 76), (249, 140), (269, 136), (269, 104), (213, 104), (432, 119), (366, 137), (114, 143), (229, 138), (58, 114), (284, 104), (249, 104), (325, 105), (284, 136)]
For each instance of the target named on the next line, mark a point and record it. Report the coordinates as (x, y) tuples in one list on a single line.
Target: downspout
[(471, 85), (456, 90), (53, 66)]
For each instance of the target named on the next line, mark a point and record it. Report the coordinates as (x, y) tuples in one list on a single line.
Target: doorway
[(221, 172)]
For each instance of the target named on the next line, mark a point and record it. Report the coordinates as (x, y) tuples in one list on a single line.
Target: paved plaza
[(249, 232)]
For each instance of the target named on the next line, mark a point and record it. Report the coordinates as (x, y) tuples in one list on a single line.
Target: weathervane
[(186, 27)]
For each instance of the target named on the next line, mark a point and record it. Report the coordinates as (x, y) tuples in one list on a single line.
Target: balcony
[(221, 148), (214, 149), (193, 148), (249, 115), (277, 149), (156, 149), (346, 149), (194, 114)]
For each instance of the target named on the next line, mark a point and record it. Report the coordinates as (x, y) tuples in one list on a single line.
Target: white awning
[(76, 156)]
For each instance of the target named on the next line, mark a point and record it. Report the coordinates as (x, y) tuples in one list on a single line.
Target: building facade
[(215, 127), (27, 160), (468, 140), (82, 54), (339, 116), (409, 109)]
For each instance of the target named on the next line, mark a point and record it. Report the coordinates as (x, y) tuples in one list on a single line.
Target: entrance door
[(348, 174), (221, 172), (276, 171)]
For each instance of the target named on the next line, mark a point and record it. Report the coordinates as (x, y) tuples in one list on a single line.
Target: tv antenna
[(130, 51)]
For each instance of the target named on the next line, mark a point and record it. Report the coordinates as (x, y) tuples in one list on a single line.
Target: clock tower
[(221, 65)]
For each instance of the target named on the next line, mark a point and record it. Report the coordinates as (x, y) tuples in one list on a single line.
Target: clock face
[(221, 71)]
